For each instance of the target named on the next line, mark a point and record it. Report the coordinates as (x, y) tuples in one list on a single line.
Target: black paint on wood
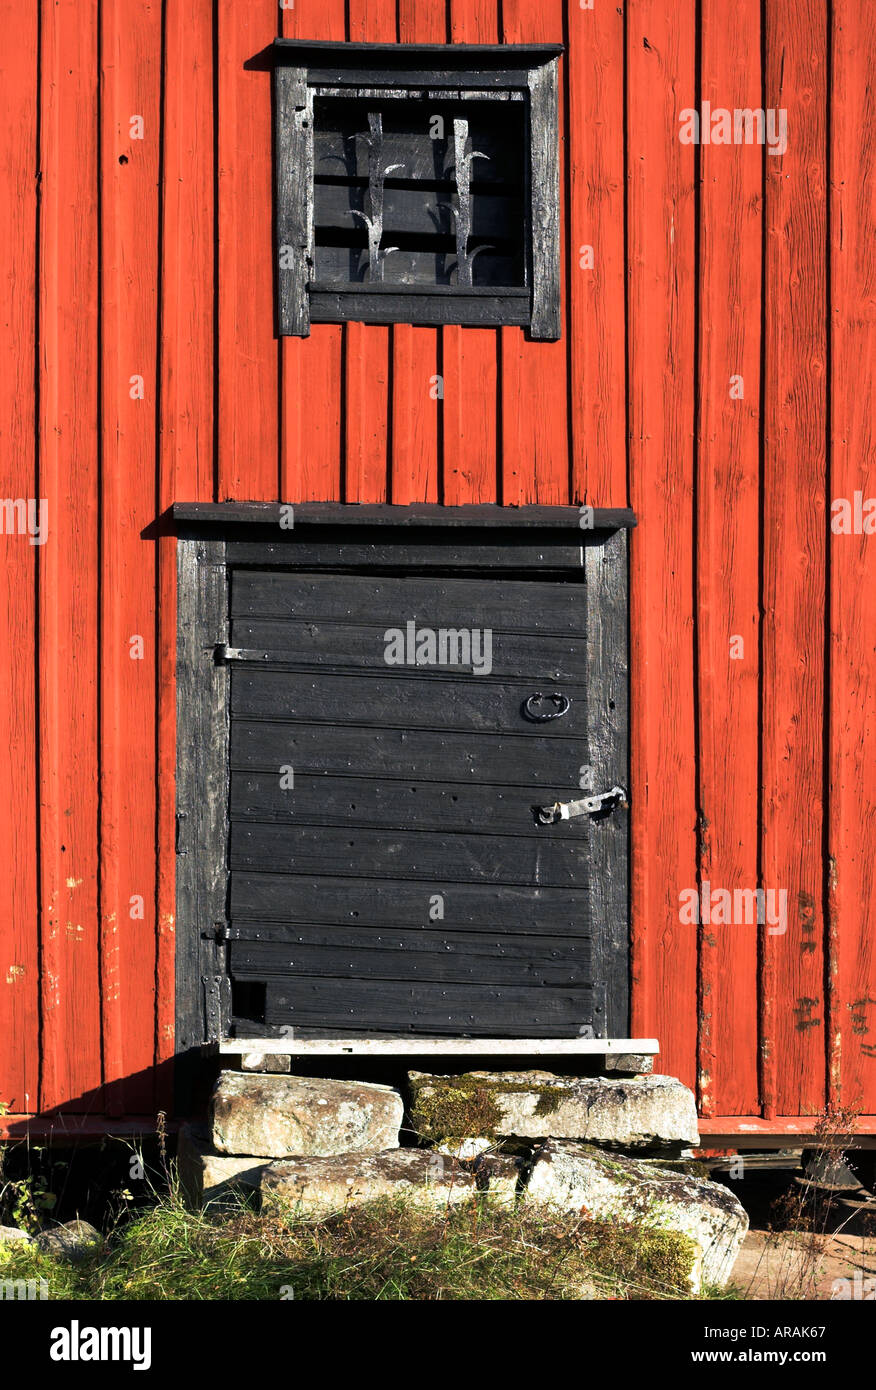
[(293, 182), (607, 581), (422, 516), (202, 986), (410, 782), (479, 1010)]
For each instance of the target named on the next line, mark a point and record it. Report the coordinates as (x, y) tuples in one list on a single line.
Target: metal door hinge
[(568, 810), (218, 932)]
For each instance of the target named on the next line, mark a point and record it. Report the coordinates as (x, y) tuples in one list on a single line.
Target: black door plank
[(333, 644), (348, 902), (428, 939), (358, 801), (473, 1010), (433, 698), (283, 964), (416, 855), (515, 605), (398, 753), (550, 554)]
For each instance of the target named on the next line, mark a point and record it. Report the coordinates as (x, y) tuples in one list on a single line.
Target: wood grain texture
[(727, 534), (186, 418), (469, 357), (130, 149), (661, 78), (595, 64), (608, 754), (311, 404), (19, 942), (240, 415), (852, 655), (367, 347), (68, 563), (794, 485), (416, 352), (535, 435), (293, 194), (202, 780), (248, 371)]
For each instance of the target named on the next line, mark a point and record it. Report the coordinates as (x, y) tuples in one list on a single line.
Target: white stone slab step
[(437, 1047)]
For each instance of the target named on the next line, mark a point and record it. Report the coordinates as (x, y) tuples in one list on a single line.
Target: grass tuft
[(382, 1251)]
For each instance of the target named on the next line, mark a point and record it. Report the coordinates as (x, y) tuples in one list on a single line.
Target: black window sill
[(420, 304)]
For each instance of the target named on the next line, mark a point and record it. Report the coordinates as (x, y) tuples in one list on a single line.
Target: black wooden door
[(387, 871)]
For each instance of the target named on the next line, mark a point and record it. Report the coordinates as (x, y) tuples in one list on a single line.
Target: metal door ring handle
[(562, 705)]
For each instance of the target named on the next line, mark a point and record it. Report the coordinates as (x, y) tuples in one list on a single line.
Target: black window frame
[(305, 70)]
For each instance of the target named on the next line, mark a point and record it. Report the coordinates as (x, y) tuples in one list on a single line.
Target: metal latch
[(222, 652), (567, 810)]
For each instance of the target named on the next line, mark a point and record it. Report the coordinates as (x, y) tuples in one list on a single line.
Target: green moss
[(463, 1107), (451, 1109), (548, 1099), (640, 1254)]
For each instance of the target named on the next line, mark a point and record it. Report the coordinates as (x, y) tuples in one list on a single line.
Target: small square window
[(417, 185)]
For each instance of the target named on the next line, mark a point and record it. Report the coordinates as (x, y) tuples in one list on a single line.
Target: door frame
[(211, 537)]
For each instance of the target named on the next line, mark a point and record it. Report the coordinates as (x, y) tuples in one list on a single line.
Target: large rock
[(609, 1187), (278, 1116), (74, 1241), (317, 1186), (637, 1112), (211, 1179)]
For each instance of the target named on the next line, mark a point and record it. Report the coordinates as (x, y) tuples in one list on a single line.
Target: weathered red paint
[(151, 258)]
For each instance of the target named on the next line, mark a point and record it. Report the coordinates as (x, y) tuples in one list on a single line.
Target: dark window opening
[(419, 192)]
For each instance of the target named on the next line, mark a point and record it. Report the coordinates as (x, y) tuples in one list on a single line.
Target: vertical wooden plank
[(534, 405), (311, 368), (597, 310), (416, 394), (661, 80), (794, 558), (293, 197), (187, 430), (367, 366), (19, 939), (366, 412), (728, 486), (606, 577), (852, 656), (470, 356), (416, 402), (545, 324), (130, 72), (248, 381), (68, 563), (203, 706)]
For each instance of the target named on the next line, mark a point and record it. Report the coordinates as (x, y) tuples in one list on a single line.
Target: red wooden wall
[(138, 366)]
